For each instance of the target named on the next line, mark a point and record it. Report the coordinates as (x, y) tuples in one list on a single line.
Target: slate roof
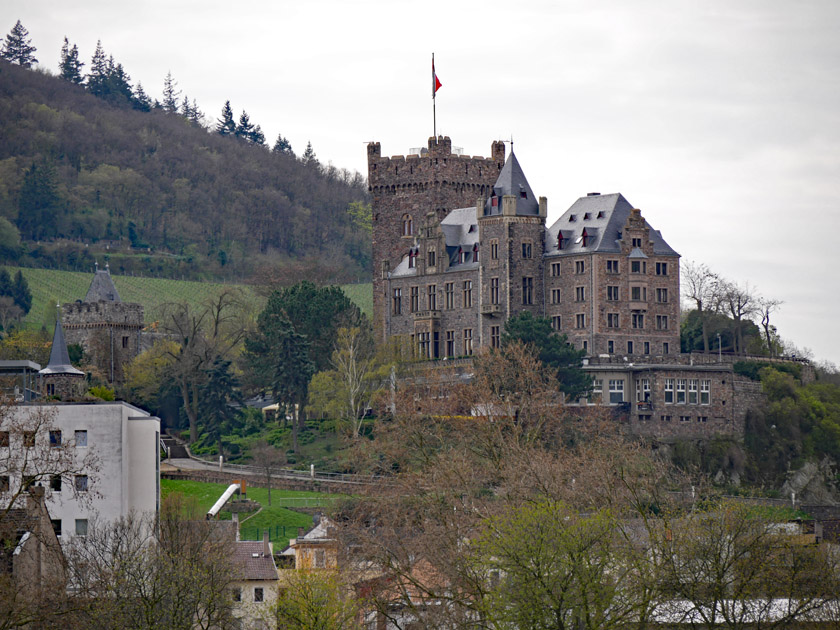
[(248, 557), (102, 287), (59, 357), (460, 231), (603, 217), (512, 181)]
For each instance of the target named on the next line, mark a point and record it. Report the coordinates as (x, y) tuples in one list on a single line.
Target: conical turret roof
[(102, 287), (512, 181), (59, 357)]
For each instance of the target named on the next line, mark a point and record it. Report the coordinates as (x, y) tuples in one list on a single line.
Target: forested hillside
[(157, 194)]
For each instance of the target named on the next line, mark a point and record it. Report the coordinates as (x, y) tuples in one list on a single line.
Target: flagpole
[(434, 112)]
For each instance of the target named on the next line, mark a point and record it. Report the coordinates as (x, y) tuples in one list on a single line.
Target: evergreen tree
[(197, 115), (141, 99), (282, 145), (309, 157), (170, 94), (225, 125), (70, 67), (257, 136), (18, 47), (98, 75), (220, 389), (5, 283), (39, 202), (244, 129), (117, 87), (20, 293)]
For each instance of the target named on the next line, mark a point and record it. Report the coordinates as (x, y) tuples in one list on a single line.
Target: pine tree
[(18, 47), (257, 136), (244, 129), (98, 75), (186, 108), (170, 94), (20, 293), (197, 115), (70, 66), (141, 99), (283, 146), (309, 157), (225, 125)]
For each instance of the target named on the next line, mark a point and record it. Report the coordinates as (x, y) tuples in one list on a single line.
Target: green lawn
[(50, 287), (281, 522)]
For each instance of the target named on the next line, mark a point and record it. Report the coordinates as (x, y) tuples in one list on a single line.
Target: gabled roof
[(102, 287), (512, 181), (59, 357), (460, 232), (252, 563), (604, 218)]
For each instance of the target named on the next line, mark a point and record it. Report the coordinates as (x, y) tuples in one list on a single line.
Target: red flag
[(435, 81)]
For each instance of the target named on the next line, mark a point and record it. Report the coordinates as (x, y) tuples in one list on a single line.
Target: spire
[(102, 287), (512, 181), (59, 357)]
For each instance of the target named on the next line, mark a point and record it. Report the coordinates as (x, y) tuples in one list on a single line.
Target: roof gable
[(512, 181), (102, 287)]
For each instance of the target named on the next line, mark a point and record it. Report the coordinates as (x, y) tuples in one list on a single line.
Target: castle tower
[(512, 234), (409, 191), (105, 326), (60, 378)]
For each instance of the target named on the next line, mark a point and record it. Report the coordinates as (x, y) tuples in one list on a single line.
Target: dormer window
[(431, 258), (585, 238), (462, 255), (561, 242), (523, 193), (475, 252), (407, 225), (412, 258), (572, 218), (494, 200), (600, 215), (637, 242), (586, 216)]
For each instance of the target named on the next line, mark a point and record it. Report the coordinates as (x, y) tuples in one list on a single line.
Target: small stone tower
[(105, 326), (60, 379), (405, 190)]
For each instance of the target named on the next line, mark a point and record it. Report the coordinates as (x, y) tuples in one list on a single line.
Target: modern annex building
[(460, 244)]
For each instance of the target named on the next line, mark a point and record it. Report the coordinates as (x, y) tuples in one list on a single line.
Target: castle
[(460, 244), (107, 328)]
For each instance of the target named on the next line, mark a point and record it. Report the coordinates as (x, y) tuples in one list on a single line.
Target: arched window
[(407, 225)]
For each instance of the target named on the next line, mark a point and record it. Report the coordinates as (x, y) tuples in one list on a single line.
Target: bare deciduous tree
[(701, 287), (767, 306), (268, 459)]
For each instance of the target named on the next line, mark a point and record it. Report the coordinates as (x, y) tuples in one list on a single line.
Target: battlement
[(112, 313)]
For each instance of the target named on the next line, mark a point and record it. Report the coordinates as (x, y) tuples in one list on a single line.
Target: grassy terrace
[(50, 287), (281, 522)]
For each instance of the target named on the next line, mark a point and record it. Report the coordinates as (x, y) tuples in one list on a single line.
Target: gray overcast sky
[(720, 119)]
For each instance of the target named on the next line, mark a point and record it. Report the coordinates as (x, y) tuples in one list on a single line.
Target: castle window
[(692, 391), (475, 253), (572, 218), (705, 390), (612, 320), (662, 296), (523, 193), (661, 269), (610, 347), (647, 347), (431, 297), (468, 342), (415, 299), (629, 347), (462, 255), (637, 320), (50, 389), (467, 293), (638, 266), (494, 290), (449, 295), (494, 200), (612, 266), (616, 391), (561, 242), (637, 242), (55, 438), (556, 322), (397, 306), (586, 216), (681, 391), (526, 249), (527, 291), (580, 294), (555, 269), (495, 336), (638, 294), (685, 418), (612, 294), (555, 296), (600, 215), (412, 259), (450, 343), (407, 225), (431, 258), (665, 348), (580, 320), (423, 344), (585, 238), (669, 391), (662, 322), (125, 341), (665, 418), (580, 266), (494, 249), (643, 390)]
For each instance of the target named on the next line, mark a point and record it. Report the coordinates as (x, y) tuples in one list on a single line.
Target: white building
[(116, 449)]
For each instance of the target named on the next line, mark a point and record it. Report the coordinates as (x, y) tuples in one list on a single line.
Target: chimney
[(266, 544)]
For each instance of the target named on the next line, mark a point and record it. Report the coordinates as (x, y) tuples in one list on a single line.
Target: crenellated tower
[(409, 191)]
